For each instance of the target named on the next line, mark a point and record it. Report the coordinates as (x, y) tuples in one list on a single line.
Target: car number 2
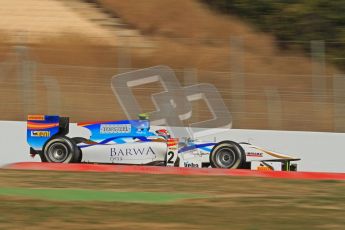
[(171, 158)]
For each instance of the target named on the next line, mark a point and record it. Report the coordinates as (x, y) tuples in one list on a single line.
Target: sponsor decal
[(119, 154), (191, 165), (40, 133), (36, 117), (254, 154), (264, 168), (115, 128), (172, 147)]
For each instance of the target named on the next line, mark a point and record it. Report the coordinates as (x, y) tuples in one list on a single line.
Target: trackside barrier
[(319, 151), (173, 170)]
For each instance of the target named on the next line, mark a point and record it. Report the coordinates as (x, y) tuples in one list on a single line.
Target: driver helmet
[(163, 133)]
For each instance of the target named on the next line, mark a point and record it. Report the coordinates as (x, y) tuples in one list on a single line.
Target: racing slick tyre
[(61, 149), (227, 154)]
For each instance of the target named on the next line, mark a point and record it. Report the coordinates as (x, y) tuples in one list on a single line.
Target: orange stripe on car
[(42, 126)]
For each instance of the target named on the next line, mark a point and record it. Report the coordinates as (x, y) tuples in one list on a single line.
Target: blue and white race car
[(133, 142)]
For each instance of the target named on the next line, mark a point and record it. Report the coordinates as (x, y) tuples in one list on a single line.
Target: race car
[(133, 142)]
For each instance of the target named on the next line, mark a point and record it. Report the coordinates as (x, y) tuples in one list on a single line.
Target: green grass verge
[(96, 195)]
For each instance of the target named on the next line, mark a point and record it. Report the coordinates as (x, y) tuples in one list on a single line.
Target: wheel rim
[(226, 157), (58, 152)]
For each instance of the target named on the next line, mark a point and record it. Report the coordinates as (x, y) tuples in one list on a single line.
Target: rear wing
[(41, 128)]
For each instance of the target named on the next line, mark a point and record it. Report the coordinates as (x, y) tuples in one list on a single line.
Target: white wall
[(13, 141), (318, 151)]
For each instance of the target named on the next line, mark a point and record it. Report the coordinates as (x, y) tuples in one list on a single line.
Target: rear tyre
[(227, 154), (61, 149)]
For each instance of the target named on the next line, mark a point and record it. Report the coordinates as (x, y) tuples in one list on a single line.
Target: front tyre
[(227, 154), (61, 150)]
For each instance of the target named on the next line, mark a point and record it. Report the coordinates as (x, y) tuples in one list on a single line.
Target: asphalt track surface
[(173, 170)]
